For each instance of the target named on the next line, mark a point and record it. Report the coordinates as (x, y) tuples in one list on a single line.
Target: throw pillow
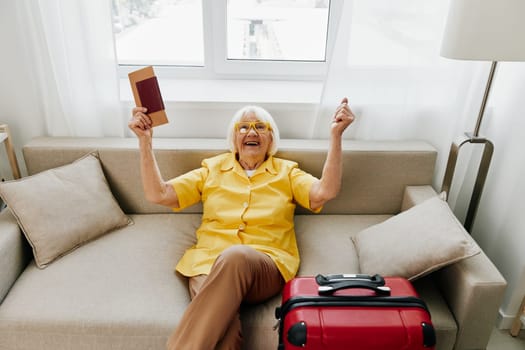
[(61, 209), (415, 242)]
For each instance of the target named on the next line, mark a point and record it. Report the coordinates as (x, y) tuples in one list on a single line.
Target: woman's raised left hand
[(342, 118)]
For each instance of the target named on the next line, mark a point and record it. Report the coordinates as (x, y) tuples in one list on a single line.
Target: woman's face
[(252, 144)]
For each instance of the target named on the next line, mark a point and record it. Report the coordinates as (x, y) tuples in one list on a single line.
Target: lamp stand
[(488, 150)]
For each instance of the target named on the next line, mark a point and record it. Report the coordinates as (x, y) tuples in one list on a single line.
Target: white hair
[(261, 114)]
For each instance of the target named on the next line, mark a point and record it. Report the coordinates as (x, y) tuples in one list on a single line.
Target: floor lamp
[(486, 30)]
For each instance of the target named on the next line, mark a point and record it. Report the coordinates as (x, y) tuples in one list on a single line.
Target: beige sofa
[(120, 291)]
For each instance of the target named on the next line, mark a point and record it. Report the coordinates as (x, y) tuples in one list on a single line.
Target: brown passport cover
[(146, 93)]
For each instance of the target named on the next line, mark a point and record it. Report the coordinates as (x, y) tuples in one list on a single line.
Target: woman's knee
[(238, 254)]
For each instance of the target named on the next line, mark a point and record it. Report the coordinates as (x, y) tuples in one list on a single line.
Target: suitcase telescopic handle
[(323, 280), (329, 289)]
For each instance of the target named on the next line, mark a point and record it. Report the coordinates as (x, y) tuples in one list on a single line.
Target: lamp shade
[(488, 30)]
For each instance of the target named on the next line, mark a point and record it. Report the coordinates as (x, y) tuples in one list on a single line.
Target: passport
[(146, 92)]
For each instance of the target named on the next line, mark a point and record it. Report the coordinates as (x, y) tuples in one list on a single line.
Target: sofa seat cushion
[(444, 323), (120, 291), (324, 242), (117, 292)]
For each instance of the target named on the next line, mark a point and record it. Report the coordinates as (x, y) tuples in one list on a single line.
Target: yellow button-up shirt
[(256, 211)]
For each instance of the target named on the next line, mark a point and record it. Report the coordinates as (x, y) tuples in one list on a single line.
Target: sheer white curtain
[(76, 70), (386, 61)]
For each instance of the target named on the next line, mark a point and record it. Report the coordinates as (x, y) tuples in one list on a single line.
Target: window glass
[(159, 32), (290, 30)]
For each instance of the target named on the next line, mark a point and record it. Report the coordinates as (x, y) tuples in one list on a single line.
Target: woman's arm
[(155, 188), (329, 185)]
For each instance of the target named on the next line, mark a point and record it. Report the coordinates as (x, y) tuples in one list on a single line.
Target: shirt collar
[(231, 163)]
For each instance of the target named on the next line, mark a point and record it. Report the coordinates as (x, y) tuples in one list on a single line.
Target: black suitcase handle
[(323, 280), (331, 283), (332, 288)]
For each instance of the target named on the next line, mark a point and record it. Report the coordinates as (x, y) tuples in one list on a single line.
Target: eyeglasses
[(259, 127)]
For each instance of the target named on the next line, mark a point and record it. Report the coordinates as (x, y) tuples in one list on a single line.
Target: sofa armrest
[(473, 289), (14, 252), (416, 194)]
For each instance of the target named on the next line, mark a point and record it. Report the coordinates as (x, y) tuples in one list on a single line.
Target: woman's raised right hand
[(140, 123)]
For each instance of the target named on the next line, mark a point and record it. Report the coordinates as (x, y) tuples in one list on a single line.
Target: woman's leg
[(211, 321)]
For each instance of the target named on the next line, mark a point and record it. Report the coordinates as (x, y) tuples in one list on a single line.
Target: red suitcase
[(345, 312)]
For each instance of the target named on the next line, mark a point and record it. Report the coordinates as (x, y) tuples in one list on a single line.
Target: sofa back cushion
[(375, 173)]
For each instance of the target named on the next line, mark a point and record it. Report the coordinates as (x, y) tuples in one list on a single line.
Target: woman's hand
[(343, 117), (140, 123)]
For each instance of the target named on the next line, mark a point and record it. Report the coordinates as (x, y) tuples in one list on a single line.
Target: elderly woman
[(246, 248)]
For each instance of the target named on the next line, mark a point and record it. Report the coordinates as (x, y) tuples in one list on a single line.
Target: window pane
[(292, 30), (161, 32)]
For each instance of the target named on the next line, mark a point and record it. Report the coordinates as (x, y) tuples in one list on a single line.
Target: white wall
[(500, 224), (211, 119)]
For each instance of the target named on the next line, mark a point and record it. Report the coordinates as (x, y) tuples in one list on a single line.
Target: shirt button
[(245, 204), (241, 227)]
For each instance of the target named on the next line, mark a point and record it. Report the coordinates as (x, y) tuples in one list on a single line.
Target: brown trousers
[(211, 321)]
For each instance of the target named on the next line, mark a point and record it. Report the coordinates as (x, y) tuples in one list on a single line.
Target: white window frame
[(217, 66)]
